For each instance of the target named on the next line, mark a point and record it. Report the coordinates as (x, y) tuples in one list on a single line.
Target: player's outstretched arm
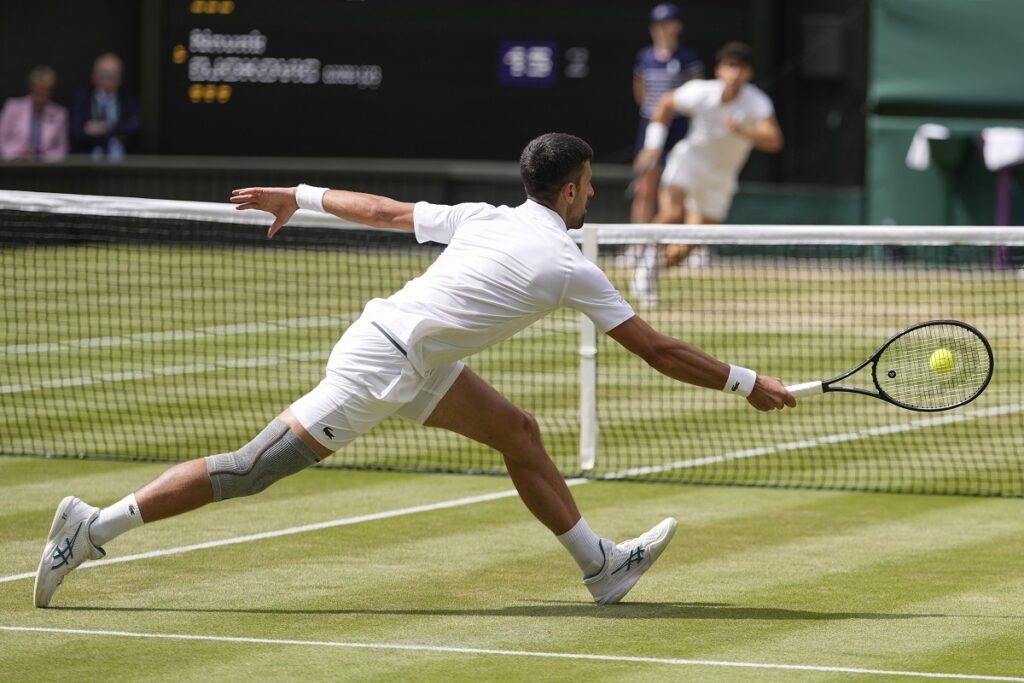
[(358, 207), (657, 134), (687, 363)]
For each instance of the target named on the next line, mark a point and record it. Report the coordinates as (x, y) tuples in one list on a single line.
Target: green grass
[(928, 584), (761, 574)]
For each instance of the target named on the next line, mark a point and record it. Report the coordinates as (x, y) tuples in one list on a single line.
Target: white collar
[(542, 214)]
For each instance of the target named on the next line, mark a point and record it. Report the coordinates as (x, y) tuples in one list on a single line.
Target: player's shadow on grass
[(547, 609)]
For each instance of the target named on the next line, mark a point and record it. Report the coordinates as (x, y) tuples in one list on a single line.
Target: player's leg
[(671, 209), (645, 192), (672, 200), (678, 185), (473, 408), (79, 530), (677, 200), (675, 182), (284, 445), (671, 205), (707, 204), (645, 186)]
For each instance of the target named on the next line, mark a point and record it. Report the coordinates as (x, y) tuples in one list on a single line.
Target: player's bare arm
[(687, 363), (358, 207), (657, 133), (765, 134)]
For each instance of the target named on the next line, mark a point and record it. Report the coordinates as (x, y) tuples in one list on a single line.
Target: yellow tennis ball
[(941, 361)]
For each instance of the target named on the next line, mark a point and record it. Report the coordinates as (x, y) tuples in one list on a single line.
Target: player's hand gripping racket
[(935, 365)]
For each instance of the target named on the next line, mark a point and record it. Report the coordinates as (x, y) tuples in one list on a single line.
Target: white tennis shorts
[(369, 379), (707, 193)]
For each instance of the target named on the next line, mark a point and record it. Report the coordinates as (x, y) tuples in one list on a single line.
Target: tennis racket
[(934, 365)]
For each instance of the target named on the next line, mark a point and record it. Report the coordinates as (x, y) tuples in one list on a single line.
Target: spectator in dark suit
[(104, 121)]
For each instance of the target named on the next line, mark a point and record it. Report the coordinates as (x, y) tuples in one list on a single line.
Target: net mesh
[(170, 331)]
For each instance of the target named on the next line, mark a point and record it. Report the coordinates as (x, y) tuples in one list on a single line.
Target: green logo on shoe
[(635, 556), (66, 554)]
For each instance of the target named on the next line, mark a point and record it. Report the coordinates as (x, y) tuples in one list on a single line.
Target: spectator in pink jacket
[(33, 127)]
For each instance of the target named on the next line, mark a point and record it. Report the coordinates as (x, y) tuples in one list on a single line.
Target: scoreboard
[(465, 79), (455, 79)]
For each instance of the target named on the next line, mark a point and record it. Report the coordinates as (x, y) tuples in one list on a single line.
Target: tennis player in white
[(729, 116), (504, 268)]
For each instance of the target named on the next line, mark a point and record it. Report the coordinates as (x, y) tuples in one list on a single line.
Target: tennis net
[(153, 330)]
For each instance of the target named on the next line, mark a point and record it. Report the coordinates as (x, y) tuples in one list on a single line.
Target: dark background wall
[(67, 35), (441, 92)]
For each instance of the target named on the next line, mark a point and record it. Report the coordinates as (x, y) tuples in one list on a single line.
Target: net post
[(588, 369)]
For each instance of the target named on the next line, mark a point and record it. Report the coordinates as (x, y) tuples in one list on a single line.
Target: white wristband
[(309, 197), (655, 135), (741, 381)]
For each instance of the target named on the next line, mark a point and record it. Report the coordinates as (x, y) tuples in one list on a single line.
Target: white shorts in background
[(707, 193), (369, 379)]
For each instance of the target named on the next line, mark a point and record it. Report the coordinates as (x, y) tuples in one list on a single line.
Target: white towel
[(919, 156), (1002, 147)]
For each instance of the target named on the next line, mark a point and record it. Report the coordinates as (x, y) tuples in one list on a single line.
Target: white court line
[(820, 441), (528, 378), (247, 328), (201, 368), (178, 335), (166, 371), (346, 521), (446, 649)]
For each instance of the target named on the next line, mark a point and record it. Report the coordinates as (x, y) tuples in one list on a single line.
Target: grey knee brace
[(275, 453)]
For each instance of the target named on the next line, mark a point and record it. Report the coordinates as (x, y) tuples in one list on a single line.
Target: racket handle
[(806, 389)]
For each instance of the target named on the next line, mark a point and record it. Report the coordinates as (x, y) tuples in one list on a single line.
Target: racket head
[(903, 374)]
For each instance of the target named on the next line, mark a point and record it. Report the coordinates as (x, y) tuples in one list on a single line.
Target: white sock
[(584, 546), (115, 520)]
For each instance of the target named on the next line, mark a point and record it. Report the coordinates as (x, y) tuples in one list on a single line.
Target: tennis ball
[(941, 361)]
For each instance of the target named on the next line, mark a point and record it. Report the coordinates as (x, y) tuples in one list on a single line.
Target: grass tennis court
[(177, 351), (756, 578)]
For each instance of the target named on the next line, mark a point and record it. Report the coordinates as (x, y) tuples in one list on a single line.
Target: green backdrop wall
[(958, 54)]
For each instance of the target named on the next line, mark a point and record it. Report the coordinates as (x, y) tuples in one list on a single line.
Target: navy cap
[(666, 11)]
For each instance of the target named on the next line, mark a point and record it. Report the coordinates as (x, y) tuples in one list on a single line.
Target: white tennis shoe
[(644, 287), (625, 563), (67, 547)]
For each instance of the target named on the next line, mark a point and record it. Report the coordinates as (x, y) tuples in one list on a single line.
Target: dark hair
[(739, 53), (550, 161)]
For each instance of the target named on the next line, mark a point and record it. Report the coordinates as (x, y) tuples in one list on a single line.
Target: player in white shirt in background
[(504, 268), (729, 116)]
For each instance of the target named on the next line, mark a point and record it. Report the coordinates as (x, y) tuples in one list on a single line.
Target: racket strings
[(934, 367)]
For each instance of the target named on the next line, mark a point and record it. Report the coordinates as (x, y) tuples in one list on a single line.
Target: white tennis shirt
[(504, 269), (709, 145)]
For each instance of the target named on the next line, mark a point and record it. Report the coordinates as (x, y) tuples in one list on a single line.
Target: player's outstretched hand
[(279, 201), (645, 161), (770, 394)]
